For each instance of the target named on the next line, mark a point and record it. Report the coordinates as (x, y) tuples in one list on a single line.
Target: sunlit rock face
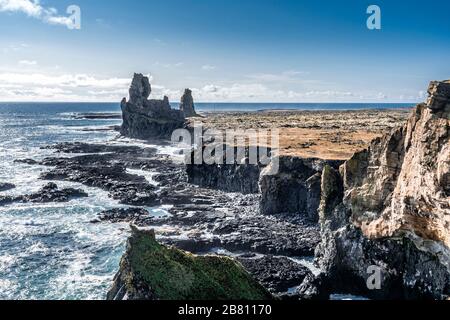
[(402, 182), (389, 206)]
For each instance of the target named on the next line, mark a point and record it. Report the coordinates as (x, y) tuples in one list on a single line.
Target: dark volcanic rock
[(238, 177), (295, 188), (312, 288), (106, 171), (125, 187), (98, 115), (6, 186), (49, 193), (201, 219), (145, 119), (238, 231), (80, 147), (135, 215), (27, 161), (277, 274), (268, 236)]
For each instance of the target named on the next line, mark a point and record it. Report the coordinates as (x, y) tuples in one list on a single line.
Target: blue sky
[(225, 50)]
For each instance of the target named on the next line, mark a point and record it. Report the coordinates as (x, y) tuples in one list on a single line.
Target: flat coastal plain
[(313, 134)]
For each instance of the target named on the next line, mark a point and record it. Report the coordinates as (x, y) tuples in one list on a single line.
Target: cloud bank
[(34, 9)]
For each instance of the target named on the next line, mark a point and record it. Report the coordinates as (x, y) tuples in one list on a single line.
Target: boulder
[(277, 274)]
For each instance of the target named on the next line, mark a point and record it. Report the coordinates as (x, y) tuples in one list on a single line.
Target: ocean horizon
[(200, 106)]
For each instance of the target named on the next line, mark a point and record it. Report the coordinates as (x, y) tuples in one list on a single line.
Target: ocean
[(52, 251)]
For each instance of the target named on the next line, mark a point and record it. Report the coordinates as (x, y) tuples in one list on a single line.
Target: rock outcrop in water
[(146, 119), (49, 193), (150, 271), (296, 188), (4, 186), (143, 118), (388, 209)]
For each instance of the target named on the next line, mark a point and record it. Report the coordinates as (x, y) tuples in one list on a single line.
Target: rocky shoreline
[(335, 211)]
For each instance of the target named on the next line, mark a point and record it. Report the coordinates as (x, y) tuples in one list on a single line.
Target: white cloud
[(208, 67), (381, 96), (82, 87), (62, 87), (64, 80), (285, 76), (168, 65), (14, 47), (33, 8), (28, 62)]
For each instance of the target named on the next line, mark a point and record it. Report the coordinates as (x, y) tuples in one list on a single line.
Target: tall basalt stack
[(388, 209), (146, 119)]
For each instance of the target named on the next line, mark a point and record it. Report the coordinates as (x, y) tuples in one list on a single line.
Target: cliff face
[(150, 271), (296, 188), (389, 206), (145, 119), (237, 177)]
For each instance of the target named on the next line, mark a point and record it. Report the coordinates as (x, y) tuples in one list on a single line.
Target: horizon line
[(225, 102)]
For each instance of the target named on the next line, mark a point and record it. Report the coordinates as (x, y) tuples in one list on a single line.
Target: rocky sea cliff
[(385, 209), (375, 224)]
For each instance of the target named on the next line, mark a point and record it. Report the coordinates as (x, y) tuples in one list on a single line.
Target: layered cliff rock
[(145, 119), (239, 176), (295, 188), (150, 271), (389, 208)]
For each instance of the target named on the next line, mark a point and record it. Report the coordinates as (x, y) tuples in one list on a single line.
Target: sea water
[(52, 251)]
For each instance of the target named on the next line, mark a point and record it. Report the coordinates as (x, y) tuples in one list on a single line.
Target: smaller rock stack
[(187, 104)]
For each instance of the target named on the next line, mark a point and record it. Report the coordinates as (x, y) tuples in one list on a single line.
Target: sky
[(224, 50)]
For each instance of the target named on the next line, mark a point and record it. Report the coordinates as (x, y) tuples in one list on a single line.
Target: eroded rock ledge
[(389, 207)]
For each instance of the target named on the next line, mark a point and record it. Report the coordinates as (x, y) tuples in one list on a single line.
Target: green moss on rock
[(167, 273)]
